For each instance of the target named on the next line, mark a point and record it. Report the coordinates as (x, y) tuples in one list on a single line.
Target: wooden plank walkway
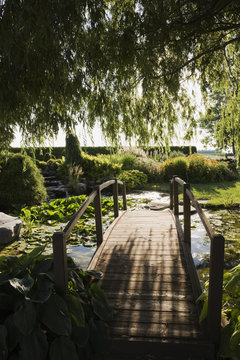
[(145, 278)]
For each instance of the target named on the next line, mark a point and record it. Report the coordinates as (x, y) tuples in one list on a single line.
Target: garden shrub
[(38, 323), (136, 159), (198, 170), (54, 164), (98, 167), (73, 152), (21, 182), (133, 178), (226, 171), (203, 170), (94, 167), (176, 166), (126, 160), (152, 168)]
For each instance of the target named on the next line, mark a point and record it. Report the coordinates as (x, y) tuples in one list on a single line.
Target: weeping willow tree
[(122, 64), (222, 116)]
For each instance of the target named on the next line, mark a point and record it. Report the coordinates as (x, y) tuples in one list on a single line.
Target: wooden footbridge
[(150, 279)]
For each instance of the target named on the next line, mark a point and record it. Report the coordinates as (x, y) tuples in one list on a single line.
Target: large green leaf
[(27, 259), (204, 311), (99, 336), (54, 314), (75, 309), (77, 280), (6, 301), (25, 318), (62, 348), (42, 290), (80, 335), (224, 349), (235, 340), (3, 343), (43, 266), (34, 346), (233, 282), (100, 303), (102, 310), (13, 335), (98, 293), (22, 285), (4, 278)]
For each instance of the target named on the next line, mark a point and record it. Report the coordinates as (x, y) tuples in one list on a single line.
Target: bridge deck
[(146, 281)]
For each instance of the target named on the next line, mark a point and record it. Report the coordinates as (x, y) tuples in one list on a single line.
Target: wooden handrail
[(216, 254), (60, 237)]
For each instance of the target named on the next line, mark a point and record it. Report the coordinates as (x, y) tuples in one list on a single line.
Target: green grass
[(225, 194)]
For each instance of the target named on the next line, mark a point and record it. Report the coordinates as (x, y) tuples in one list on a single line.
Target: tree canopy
[(120, 63)]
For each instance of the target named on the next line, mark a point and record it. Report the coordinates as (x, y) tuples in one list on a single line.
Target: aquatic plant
[(37, 323)]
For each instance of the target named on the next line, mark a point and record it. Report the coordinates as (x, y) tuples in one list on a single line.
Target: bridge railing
[(216, 254), (60, 237)]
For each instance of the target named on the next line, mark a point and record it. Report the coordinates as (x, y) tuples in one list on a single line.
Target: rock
[(157, 205), (9, 228), (79, 188)]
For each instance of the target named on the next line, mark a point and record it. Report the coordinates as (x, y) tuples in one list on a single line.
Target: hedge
[(45, 153)]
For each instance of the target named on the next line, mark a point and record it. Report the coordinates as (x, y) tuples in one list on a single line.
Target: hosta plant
[(37, 323)]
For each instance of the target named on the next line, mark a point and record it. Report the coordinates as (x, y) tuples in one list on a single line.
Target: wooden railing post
[(98, 216), (175, 195), (215, 288), (187, 215), (60, 262), (124, 196), (171, 194), (115, 198)]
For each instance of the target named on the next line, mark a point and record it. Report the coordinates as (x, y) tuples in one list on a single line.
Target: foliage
[(210, 120), (125, 159), (172, 154), (137, 159), (150, 167), (38, 323), (41, 164), (42, 153), (20, 181), (61, 210), (175, 166), (63, 62), (230, 336), (197, 169), (201, 169), (54, 164), (99, 168), (74, 175), (57, 152), (221, 119), (133, 178), (73, 150), (38, 219)]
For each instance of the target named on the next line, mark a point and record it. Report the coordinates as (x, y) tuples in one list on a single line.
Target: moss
[(21, 182)]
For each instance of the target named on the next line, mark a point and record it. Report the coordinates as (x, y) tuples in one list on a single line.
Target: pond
[(82, 250)]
